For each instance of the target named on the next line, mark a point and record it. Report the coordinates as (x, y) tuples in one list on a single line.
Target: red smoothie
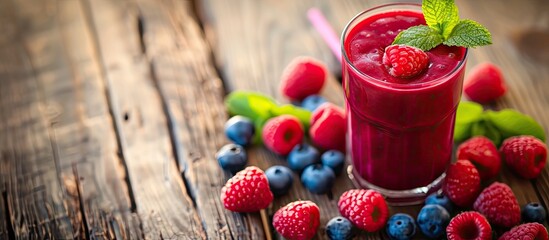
[(400, 131)]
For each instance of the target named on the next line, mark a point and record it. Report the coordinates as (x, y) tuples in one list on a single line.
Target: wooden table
[(111, 111)]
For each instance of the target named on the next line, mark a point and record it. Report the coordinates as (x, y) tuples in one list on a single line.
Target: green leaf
[(468, 112), (258, 124), (468, 33), (493, 133), (512, 123), (462, 132), (250, 104), (441, 15), (485, 128), (478, 129), (421, 36), (302, 114)]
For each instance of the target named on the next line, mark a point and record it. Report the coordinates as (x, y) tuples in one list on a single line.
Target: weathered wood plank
[(32, 192), (85, 133), (193, 100), (160, 195), (57, 46)]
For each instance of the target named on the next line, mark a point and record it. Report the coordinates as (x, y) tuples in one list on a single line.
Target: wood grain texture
[(56, 48), (193, 99), (159, 193), (32, 189)]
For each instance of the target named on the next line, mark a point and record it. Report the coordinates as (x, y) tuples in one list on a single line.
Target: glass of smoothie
[(400, 131)]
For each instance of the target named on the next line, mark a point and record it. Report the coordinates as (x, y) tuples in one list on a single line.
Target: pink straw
[(325, 30)]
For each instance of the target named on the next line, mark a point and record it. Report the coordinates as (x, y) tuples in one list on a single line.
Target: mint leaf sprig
[(472, 120), (444, 27)]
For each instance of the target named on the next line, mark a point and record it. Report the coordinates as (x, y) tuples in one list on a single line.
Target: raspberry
[(484, 83), (462, 183), (247, 191), (328, 127), (404, 61), (281, 134), (469, 225), (366, 209), (297, 220), (526, 155), (498, 203), (527, 231), (483, 154), (304, 76)]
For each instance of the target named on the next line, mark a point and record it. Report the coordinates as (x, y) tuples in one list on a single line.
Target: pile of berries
[(317, 154), (285, 136)]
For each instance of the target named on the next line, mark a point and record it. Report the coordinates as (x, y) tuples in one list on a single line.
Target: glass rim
[(383, 84)]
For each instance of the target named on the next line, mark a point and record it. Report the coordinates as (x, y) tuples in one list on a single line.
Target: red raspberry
[(328, 127), (484, 83), (247, 191), (469, 226), (527, 231), (281, 134), (304, 76), (498, 203), (462, 183), (404, 61), (483, 154), (297, 220), (366, 209), (526, 155)]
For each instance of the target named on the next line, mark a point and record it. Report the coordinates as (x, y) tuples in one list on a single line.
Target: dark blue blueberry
[(232, 157), (318, 178), (439, 198), (401, 226), (301, 156), (312, 102), (339, 228), (334, 159), (533, 212), (280, 179), (432, 220), (240, 130)]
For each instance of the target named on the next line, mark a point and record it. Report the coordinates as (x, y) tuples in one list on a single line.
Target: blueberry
[(318, 178), (432, 220), (280, 179), (440, 199), (240, 130), (334, 159), (401, 227), (301, 156), (533, 212), (312, 102), (339, 228), (232, 157)]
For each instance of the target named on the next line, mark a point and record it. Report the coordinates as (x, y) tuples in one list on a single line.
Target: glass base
[(398, 197)]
